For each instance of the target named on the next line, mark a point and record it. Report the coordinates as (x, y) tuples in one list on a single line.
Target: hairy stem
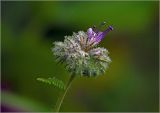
[(60, 100)]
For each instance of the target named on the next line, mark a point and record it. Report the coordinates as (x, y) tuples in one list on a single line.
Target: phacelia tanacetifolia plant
[(81, 56)]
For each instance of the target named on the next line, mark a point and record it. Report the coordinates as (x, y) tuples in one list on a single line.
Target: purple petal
[(89, 33), (101, 35)]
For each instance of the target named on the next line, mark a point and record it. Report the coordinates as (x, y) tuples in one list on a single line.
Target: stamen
[(94, 27), (103, 23), (100, 25)]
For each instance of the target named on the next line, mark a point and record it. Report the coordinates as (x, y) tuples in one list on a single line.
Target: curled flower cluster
[(80, 53)]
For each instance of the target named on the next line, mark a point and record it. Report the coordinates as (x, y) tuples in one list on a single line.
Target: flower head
[(80, 53)]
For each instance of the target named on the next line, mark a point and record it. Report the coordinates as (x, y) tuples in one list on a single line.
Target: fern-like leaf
[(53, 81)]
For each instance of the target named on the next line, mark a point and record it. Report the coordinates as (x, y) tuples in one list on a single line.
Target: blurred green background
[(28, 30)]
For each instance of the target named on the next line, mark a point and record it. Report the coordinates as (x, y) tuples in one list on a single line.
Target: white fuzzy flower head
[(80, 53)]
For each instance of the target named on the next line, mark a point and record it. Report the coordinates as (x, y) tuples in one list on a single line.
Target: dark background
[(28, 30)]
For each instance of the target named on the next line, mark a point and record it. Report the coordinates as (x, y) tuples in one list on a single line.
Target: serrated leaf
[(53, 81)]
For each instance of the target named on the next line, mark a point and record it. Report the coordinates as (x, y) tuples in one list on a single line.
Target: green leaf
[(53, 81)]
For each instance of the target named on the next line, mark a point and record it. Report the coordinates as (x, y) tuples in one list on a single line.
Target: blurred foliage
[(28, 30), (22, 103)]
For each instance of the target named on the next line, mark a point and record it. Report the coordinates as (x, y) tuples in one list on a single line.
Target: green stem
[(60, 100)]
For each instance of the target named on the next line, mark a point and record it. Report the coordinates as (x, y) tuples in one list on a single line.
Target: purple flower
[(80, 54), (95, 37)]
